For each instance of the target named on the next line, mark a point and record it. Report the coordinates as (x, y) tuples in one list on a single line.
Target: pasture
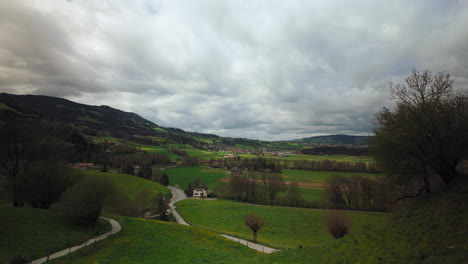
[(150, 241), (182, 175), (34, 233), (130, 185), (285, 227)]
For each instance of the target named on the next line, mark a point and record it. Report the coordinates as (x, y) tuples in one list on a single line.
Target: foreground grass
[(34, 233), (130, 185), (149, 241), (285, 227), (183, 175)]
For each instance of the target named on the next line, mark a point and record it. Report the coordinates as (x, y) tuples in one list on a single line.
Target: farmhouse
[(200, 191)]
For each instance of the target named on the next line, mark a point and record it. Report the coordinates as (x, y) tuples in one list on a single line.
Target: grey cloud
[(262, 69)]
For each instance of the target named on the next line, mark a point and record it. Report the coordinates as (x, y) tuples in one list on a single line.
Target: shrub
[(338, 224), (83, 202)]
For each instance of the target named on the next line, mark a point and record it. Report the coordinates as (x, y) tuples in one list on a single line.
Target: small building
[(200, 191)]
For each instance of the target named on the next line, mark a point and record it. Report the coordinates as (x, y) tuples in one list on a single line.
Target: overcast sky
[(258, 69)]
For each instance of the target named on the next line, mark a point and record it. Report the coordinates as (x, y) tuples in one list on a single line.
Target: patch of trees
[(255, 187), (420, 143), (357, 192), (144, 204), (342, 150), (178, 151), (43, 184), (333, 165)]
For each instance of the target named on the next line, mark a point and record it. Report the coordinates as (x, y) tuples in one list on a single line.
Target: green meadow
[(150, 241), (130, 185), (308, 176), (182, 176), (337, 157), (285, 227), (35, 233)]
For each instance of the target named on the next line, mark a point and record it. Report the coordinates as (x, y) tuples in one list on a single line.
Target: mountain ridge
[(107, 118)]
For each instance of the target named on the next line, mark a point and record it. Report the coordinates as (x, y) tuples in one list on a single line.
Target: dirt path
[(178, 194), (115, 229)]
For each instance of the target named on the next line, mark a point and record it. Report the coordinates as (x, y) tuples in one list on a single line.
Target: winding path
[(115, 229), (178, 195)]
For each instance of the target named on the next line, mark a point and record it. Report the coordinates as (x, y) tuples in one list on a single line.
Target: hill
[(125, 124), (59, 109)]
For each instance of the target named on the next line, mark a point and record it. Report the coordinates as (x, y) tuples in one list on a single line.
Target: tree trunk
[(427, 183), (255, 236)]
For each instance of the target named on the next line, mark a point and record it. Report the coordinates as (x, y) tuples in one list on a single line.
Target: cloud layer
[(257, 69)]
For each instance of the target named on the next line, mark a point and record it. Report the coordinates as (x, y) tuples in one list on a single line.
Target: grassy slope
[(183, 175), (291, 226), (149, 241), (430, 230), (35, 233), (130, 185)]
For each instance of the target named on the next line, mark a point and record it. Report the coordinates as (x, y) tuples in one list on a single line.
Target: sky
[(271, 70)]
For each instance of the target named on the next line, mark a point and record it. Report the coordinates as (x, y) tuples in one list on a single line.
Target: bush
[(83, 202), (43, 184), (338, 224)]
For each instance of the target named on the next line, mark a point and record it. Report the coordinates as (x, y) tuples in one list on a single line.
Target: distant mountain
[(335, 140)]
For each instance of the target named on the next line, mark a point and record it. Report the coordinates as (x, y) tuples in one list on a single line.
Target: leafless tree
[(255, 223)]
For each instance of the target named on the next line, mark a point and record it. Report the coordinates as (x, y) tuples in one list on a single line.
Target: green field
[(285, 227), (294, 157), (130, 185), (149, 148), (182, 175), (149, 241), (308, 176), (35, 233)]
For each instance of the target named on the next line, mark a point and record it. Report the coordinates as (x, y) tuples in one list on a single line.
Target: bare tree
[(338, 224), (425, 135), (255, 223)]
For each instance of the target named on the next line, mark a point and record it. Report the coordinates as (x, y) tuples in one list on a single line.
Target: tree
[(275, 185), (164, 180), (44, 183), (255, 223), (424, 137), (294, 194), (338, 224), (84, 202)]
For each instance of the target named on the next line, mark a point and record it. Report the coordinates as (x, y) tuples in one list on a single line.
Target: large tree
[(425, 136)]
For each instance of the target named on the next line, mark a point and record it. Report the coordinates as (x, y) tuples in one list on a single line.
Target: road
[(177, 195)]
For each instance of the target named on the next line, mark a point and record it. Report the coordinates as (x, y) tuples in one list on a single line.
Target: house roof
[(201, 186)]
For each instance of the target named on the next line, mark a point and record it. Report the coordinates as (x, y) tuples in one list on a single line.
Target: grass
[(130, 185), (285, 227), (149, 241), (183, 175), (308, 176), (308, 194), (294, 157), (35, 233), (149, 148)]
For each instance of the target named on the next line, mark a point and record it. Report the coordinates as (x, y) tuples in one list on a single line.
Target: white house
[(200, 191)]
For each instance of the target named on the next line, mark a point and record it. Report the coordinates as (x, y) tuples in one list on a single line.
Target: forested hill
[(335, 140), (59, 109)]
